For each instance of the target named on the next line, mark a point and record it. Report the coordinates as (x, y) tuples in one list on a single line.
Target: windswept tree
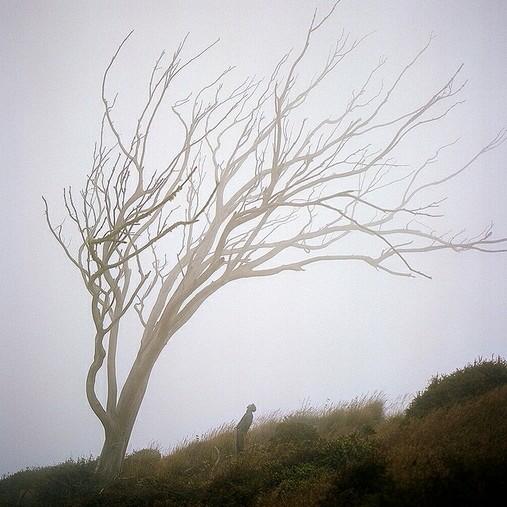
[(251, 189)]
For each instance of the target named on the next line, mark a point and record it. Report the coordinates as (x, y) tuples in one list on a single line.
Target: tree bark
[(112, 455)]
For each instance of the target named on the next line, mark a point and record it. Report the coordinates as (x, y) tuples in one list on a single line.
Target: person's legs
[(240, 441)]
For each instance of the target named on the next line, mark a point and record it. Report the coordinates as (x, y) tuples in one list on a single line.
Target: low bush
[(463, 384), (57, 485)]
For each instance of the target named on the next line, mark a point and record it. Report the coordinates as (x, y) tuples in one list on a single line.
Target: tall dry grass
[(207, 452)]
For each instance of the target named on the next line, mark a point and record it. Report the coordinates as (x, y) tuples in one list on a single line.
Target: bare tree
[(252, 190)]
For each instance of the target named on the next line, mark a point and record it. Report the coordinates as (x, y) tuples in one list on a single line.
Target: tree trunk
[(112, 455), (116, 439)]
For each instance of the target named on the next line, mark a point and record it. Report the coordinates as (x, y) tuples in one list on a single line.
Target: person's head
[(251, 408)]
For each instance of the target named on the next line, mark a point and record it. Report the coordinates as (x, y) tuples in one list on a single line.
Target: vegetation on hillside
[(448, 448), (466, 383)]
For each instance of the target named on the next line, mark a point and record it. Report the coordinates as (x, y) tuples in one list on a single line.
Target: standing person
[(243, 426)]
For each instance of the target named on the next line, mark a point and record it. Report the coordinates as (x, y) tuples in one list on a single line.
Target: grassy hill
[(448, 448)]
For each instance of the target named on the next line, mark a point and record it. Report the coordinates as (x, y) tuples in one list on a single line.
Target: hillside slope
[(450, 453)]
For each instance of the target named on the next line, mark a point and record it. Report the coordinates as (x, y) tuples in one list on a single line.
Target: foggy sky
[(332, 333)]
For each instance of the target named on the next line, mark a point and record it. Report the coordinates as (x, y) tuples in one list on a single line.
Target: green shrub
[(57, 485), (297, 468), (446, 390)]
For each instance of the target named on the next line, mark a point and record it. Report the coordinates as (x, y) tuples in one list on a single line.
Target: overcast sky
[(332, 333)]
